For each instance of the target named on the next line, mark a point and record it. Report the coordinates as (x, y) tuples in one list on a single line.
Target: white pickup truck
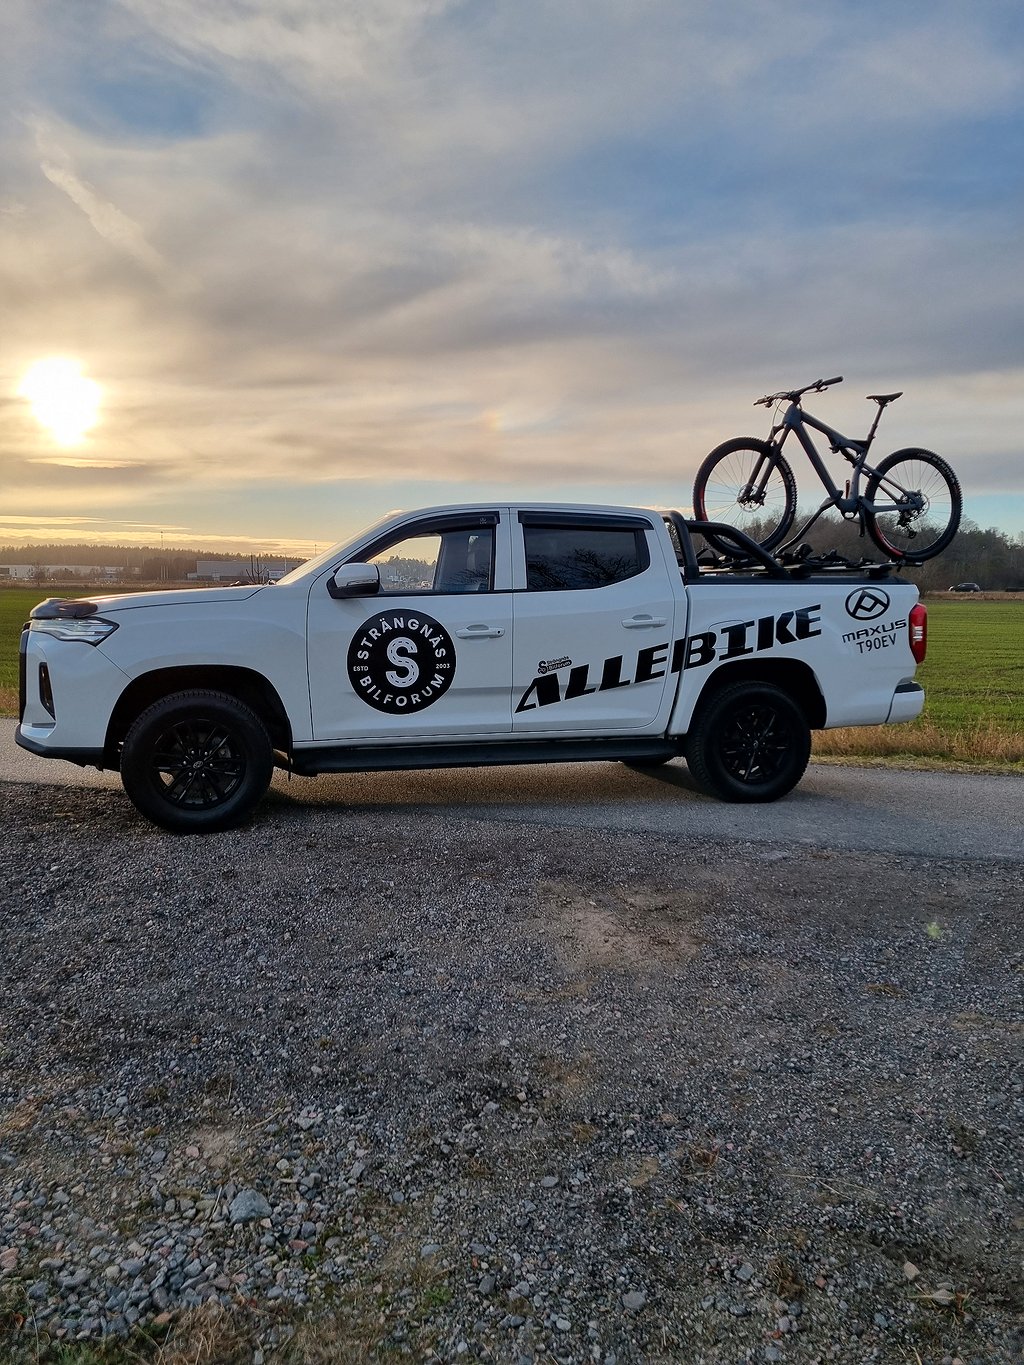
[(470, 636)]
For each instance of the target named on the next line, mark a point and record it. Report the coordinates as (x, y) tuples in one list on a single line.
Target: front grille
[(22, 670)]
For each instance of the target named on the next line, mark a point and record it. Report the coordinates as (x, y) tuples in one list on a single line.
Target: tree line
[(989, 557), (145, 562)]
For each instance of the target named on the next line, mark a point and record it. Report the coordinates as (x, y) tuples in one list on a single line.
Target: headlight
[(89, 629)]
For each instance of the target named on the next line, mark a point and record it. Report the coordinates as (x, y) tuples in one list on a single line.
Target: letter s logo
[(398, 651), (399, 664)]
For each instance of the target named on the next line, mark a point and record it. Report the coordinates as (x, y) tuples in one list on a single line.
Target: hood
[(192, 597)]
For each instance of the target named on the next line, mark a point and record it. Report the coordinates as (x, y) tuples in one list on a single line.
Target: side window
[(457, 560), (582, 556)]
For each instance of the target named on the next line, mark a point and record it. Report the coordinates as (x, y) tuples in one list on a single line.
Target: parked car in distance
[(966, 587)]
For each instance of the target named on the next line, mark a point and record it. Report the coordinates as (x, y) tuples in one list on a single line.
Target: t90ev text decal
[(401, 661), (869, 638), (693, 651)]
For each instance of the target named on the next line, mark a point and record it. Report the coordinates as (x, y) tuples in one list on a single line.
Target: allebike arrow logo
[(867, 603)]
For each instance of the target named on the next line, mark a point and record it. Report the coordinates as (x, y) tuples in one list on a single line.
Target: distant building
[(110, 573)]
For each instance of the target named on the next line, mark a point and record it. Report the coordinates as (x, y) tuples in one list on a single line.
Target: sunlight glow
[(62, 399)]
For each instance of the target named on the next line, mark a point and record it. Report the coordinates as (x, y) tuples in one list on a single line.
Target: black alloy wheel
[(197, 762), (748, 742)]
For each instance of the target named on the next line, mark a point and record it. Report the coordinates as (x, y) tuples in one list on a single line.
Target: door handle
[(643, 622), (480, 633)]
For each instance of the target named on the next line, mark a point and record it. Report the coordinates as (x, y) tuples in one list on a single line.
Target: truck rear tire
[(748, 742), (197, 762)]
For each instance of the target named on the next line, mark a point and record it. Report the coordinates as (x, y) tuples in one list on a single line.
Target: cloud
[(110, 222), (540, 245), (317, 46)]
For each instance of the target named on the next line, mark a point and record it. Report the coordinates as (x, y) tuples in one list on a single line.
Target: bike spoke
[(916, 504), (733, 495)]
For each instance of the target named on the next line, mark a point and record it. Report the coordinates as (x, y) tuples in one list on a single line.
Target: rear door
[(431, 654), (594, 617)]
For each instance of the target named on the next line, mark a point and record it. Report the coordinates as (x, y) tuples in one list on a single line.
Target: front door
[(431, 654)]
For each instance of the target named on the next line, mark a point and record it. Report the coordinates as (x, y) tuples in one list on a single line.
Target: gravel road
[(553, 1064), (835, 806)]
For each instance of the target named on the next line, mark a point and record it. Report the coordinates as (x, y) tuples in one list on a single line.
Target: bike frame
[(851, 502)]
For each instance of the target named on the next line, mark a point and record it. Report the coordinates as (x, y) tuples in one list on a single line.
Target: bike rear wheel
[(747, 484), (930, 515)]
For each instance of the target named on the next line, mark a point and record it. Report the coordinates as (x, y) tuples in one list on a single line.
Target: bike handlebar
[(794, 394)]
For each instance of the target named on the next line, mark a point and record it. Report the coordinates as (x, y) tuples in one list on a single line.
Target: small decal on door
[(401, 661)]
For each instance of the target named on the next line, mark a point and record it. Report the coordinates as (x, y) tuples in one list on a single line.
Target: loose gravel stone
[(247, 1206)]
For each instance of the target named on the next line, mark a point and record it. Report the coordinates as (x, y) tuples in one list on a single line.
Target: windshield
[(309, 566), (330, 555)]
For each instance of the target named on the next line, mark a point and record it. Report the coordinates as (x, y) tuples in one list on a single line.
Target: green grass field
[(975, 664), (973, 675), (15, 605)]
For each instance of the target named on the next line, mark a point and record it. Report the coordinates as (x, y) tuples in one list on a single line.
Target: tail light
[(918, 627)]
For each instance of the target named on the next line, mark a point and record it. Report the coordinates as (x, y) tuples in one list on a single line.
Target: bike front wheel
[(922, 503), (747, 484)]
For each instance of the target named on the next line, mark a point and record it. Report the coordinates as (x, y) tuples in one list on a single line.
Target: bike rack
[(783, 563)]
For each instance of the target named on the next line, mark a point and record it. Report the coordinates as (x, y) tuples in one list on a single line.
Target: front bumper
[(68, 691), (85, 758)]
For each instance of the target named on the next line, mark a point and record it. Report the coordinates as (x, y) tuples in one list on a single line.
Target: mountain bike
[(910, 507)]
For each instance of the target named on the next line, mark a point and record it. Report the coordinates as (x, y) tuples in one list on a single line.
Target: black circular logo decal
[(867, 603), (401, 661)]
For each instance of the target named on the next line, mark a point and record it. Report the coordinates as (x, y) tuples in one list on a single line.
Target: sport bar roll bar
[(685, 528)]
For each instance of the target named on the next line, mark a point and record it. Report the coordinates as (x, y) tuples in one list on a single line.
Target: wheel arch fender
[(792, 676), (244, 684)]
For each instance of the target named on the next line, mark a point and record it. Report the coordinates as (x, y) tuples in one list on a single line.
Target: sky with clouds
[(326, 258)]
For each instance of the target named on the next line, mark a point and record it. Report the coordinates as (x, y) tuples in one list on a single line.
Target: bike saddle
[(882, 398)]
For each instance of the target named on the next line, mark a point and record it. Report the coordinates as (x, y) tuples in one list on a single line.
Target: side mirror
[(354, 580)]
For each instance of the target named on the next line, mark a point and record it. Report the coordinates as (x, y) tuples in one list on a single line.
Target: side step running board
[(348, 759)]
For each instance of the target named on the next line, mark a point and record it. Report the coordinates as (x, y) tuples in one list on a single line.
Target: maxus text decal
[(401, 661), (733, 641), (870, 638)]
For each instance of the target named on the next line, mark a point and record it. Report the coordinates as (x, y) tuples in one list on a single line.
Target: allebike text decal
[(401, 661), (733, 641)]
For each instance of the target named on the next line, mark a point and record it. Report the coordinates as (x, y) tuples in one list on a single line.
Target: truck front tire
[(197, 762), (748, 742)]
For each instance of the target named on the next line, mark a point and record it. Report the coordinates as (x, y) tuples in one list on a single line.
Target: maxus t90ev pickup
[(472, 636)]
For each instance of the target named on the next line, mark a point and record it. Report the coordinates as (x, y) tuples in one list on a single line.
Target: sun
[(62, 399)]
